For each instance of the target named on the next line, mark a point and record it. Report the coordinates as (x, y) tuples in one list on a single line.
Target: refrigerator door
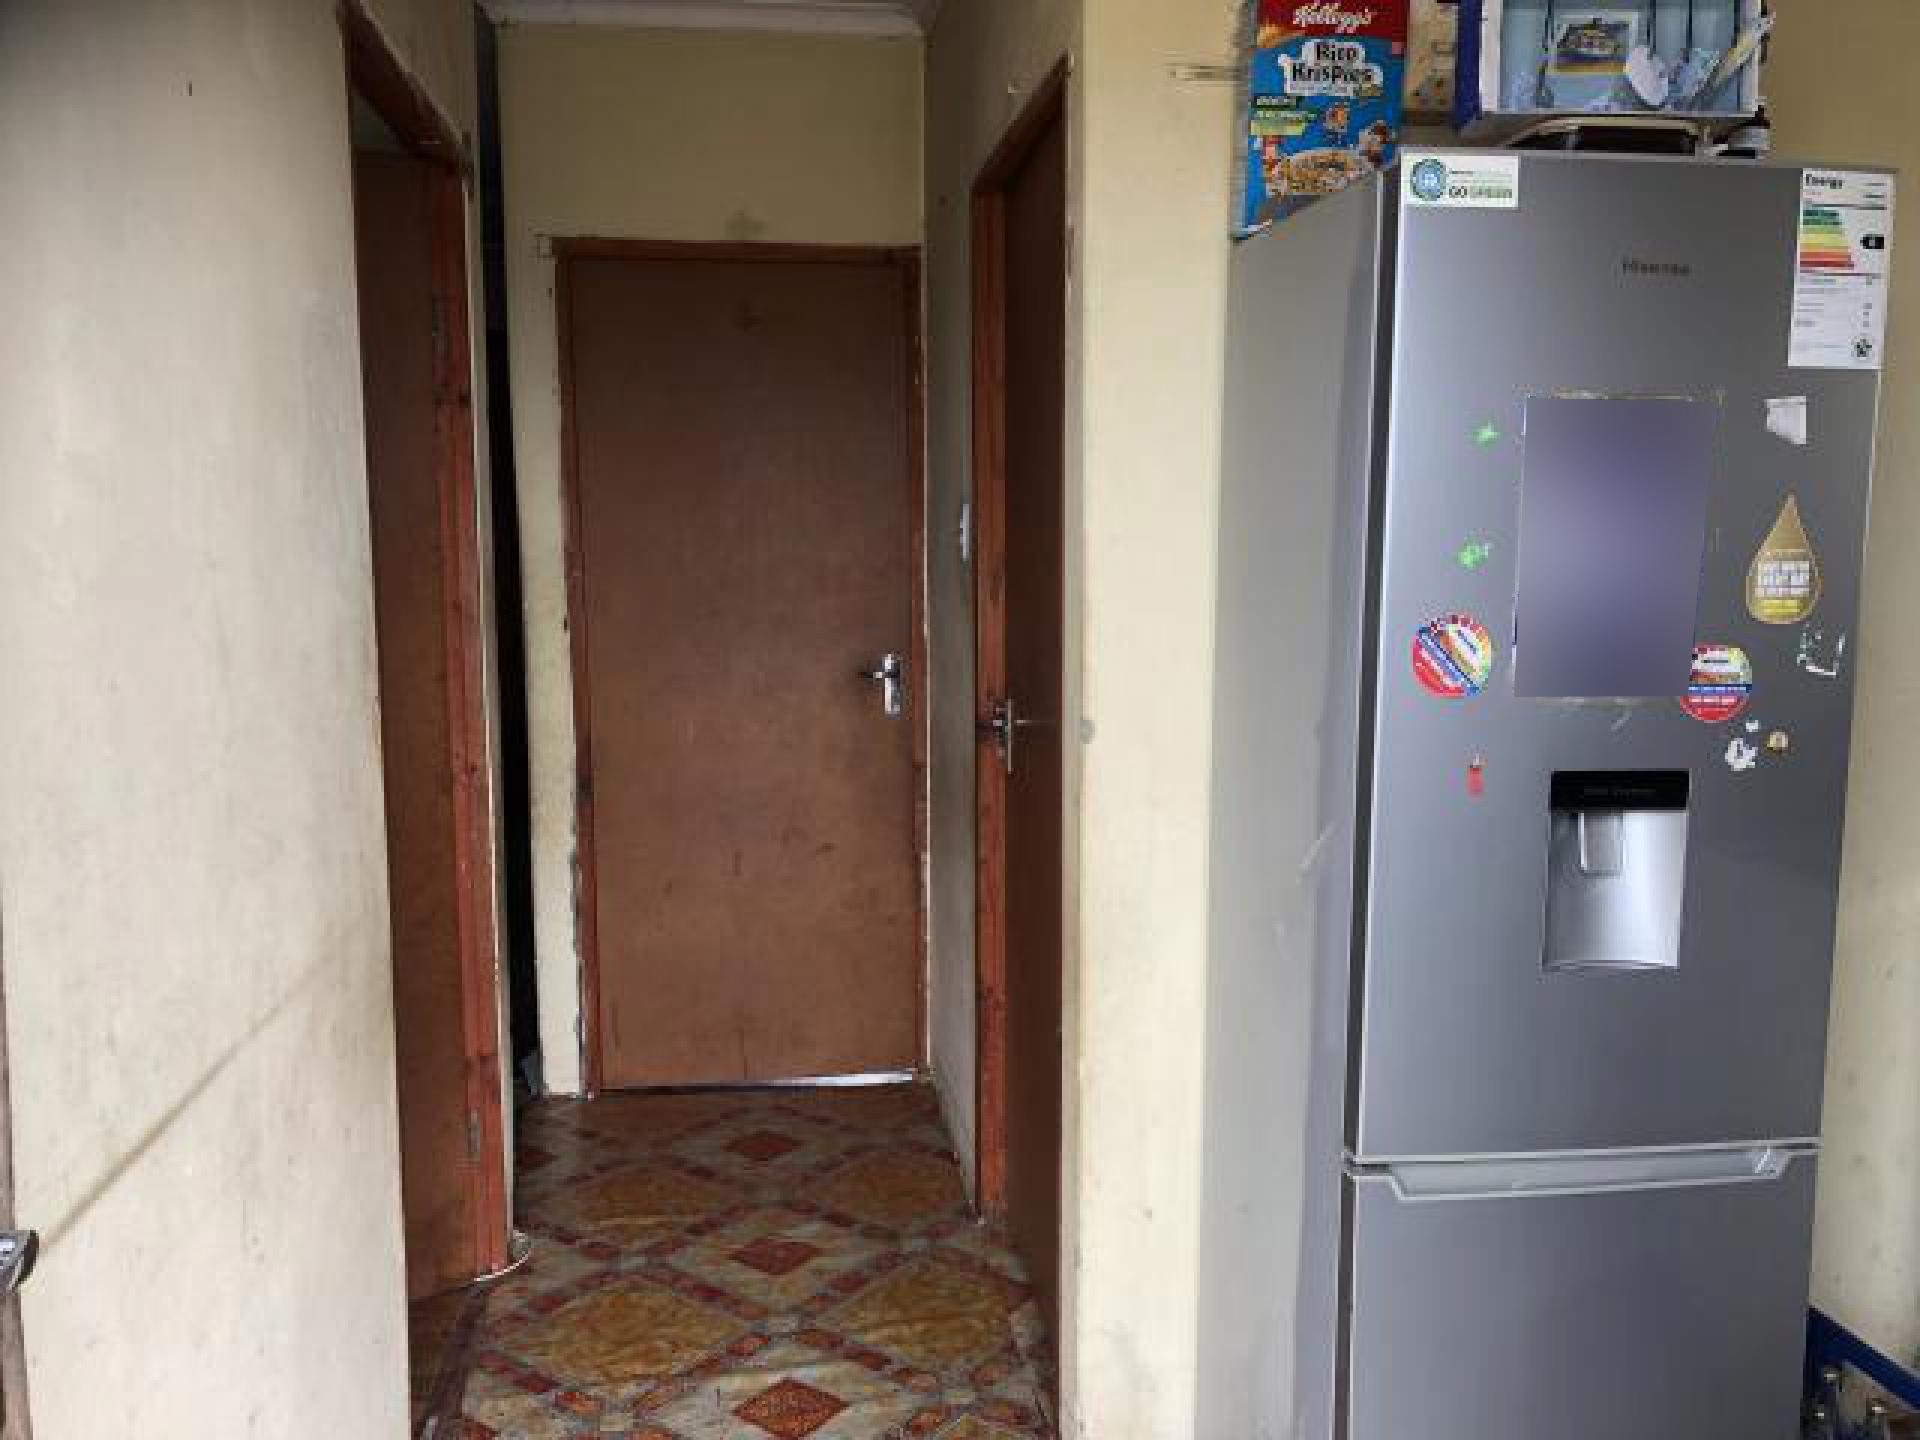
[(1665, 1310), (1594, 921)]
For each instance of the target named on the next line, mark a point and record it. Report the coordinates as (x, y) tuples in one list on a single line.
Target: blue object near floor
[(1831, 1343)]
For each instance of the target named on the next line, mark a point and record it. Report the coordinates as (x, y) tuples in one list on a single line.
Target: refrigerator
[(1544, 501)]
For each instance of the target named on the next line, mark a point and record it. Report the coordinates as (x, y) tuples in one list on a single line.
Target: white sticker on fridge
[(1460, 181), (1844, 254)]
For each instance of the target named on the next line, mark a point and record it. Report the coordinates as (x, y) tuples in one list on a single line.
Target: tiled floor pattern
[(784, 1264)]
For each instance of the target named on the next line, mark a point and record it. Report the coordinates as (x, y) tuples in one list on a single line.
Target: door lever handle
[(1003, 723), (890, 674), (19, 1249)]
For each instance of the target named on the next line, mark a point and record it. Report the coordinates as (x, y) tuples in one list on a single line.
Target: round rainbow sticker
[(1453, 656)]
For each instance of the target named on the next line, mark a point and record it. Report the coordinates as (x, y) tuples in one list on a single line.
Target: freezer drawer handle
[(1538, 1175)]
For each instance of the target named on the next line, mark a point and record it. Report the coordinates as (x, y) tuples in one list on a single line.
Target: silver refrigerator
[(1544, 502)]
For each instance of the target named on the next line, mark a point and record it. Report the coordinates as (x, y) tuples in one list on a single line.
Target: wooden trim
[(1047, 104), (377, 75), (465, 630), (620, 247), (919, 712), (989, 316), (906, 258), (789, 17), (375, 72), (586, 894)]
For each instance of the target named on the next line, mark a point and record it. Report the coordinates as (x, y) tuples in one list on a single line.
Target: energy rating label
[(1840, 286)]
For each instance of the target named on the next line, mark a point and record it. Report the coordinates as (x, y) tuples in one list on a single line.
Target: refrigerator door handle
[(1521, 1176)]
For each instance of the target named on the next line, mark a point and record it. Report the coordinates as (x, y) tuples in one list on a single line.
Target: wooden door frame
[(377, 76), (904, 259), (1046, 107)]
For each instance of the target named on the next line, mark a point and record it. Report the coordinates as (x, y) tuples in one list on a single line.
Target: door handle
[(890, 674), (19, 1249), (1002, 725)]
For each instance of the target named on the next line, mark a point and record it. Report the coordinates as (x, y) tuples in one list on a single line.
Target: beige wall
[(1155, 253), (662, 135), (191, 841), (1148, 170), (1842, 89)]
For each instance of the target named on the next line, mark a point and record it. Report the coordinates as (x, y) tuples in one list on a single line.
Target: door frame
[(906, 261), (376, 75), (1046, 107)]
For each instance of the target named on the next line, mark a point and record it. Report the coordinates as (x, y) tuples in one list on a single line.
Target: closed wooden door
[(418, 712), (741, 473), (1023, 314)]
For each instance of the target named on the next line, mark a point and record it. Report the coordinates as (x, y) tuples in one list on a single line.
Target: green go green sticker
[(1487, 434), (1473, 556)]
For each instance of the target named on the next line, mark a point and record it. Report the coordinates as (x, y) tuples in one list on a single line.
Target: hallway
[(784, 1263)]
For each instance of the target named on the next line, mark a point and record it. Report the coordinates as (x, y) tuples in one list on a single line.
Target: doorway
[(745, 562), (1019, 327), (410, 255)]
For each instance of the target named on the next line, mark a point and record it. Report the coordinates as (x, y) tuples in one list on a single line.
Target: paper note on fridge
[(1844, 261), (1787, 418)]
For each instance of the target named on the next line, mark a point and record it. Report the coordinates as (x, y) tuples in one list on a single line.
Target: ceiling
[(847, 17)]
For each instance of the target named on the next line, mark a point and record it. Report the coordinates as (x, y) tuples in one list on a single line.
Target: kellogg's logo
[(1331, 15)]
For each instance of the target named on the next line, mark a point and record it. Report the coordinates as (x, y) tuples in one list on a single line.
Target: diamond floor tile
[(756, 1265)]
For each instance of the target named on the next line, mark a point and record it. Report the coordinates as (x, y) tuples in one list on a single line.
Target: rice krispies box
[(1323, 102)]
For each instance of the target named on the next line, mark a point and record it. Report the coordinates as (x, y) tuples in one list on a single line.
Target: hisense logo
[(1331, 15), (1661, 269)]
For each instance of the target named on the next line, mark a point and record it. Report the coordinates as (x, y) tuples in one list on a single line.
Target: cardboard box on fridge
[(1481, 110), (1323, 100), (1432, 57)]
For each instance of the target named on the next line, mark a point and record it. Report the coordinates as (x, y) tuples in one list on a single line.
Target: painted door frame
[(904, 259), (1046, 107), (376, 75)]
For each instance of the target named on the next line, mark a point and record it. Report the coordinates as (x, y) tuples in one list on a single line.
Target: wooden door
[(740, 425), (444, 1058), (1021, 320)]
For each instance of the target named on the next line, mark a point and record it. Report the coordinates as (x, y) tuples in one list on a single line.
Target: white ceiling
[(847, 17)]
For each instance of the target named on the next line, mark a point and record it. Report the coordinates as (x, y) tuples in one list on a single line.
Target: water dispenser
[(1617, 869)]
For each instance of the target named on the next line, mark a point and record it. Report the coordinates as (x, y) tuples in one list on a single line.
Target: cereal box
[(1324, 99)]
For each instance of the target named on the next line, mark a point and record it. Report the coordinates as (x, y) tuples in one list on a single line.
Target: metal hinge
[(473, 1136), (18, 1251)]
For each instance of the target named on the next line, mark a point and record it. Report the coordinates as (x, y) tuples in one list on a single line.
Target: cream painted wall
[(984, 61), (192, 864), (1841, 88), (1155, 252), (1148, 179), (661, 135)]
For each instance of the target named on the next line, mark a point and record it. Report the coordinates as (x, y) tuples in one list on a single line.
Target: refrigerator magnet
[(1820, 656), (1783, 583), (1721, 684), (1453, 656)]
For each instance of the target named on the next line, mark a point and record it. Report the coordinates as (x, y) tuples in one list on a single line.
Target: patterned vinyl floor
[(793, 1264)]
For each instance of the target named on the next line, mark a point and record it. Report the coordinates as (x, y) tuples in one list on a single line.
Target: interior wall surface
[(1866, 1266), (193, 893)]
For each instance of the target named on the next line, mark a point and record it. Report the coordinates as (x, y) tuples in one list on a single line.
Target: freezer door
[(1591, 919), (1664, 1313)]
